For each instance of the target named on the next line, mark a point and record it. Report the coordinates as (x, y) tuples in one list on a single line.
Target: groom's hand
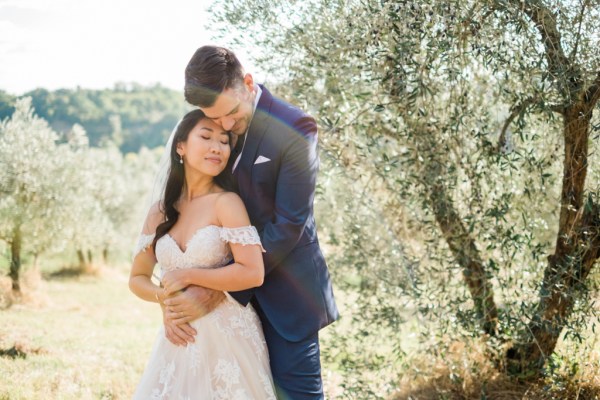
[(179, 335), (186, 306)]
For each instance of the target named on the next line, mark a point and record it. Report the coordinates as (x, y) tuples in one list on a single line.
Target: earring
[(180, 159)]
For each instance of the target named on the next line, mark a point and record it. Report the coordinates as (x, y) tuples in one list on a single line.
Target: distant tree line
[(129, 115)]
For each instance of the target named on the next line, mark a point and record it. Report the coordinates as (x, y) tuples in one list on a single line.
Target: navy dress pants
[(296, 366)]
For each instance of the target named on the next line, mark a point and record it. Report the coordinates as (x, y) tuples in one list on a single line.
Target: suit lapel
[(258, 127)]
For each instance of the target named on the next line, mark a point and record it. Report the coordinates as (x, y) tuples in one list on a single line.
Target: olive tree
[(34, 189), (106, 191), (464, 128)]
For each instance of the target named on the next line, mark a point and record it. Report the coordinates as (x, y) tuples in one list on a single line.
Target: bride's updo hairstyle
[(176, 177)]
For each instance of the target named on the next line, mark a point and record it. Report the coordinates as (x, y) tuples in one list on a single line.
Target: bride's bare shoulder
[(228, 200), (231, 210)]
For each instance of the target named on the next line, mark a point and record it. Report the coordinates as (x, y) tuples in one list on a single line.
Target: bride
[(193, 232)]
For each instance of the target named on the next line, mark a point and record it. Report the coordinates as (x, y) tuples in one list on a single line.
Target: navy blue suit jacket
[(296, 296)]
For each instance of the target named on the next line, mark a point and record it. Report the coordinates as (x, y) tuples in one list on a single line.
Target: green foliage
[(58, 193), (436, 118), (31, 180), (132, 116)]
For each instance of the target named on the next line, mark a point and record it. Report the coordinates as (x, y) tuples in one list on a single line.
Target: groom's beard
[(240, 127)]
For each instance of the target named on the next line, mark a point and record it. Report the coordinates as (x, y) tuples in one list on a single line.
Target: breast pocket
[(264, 174)]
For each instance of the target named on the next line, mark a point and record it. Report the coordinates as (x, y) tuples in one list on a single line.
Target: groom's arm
[(294, 194)]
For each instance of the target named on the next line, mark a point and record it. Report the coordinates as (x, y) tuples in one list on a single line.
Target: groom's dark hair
[(211, 70)]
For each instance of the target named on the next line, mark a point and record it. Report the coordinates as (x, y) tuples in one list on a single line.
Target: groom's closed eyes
[(235, 110)]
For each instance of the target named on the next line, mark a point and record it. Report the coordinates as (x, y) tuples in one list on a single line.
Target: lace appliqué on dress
[(144, 241), (167, 374), (243, 235)]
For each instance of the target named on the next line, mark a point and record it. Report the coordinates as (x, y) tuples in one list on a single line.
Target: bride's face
[(206, 149)]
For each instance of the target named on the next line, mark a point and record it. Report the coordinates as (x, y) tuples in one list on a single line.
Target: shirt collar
[(256, 99), (258, 93)]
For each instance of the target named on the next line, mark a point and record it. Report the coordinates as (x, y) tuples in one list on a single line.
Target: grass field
[(87, 337), (76, 338)]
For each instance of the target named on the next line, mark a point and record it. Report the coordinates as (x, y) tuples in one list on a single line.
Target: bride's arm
[(140, 282), (140, 277), (246, 272)]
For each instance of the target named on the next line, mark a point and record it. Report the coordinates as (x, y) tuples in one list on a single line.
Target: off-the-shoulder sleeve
[(243, 235), (142, 244)]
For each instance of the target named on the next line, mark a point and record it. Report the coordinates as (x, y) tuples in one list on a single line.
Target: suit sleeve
[(294, 194)]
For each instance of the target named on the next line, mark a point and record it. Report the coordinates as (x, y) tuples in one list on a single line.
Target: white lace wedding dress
[(229, 358)]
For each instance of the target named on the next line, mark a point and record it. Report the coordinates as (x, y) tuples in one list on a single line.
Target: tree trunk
[(15, 258), (81, 258), (464, 250), (459, 240), (105, 255), (577, 249)]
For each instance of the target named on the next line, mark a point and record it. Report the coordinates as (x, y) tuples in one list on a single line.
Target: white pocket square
[(261, 159)]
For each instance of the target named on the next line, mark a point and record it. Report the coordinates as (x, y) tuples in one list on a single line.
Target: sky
[(96, 43)]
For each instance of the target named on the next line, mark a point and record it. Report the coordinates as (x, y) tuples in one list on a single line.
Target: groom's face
[(232, 110)]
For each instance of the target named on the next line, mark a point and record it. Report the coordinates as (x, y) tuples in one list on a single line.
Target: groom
[(275, 163)]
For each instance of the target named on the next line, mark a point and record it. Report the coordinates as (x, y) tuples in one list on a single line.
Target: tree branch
[(545, 22), (460, 241), (475, 26), (584, 5), (559, 66), (516, 110), (557, 108), (592, 95)]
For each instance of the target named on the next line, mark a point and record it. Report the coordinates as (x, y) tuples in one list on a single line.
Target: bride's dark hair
[(176, 177)]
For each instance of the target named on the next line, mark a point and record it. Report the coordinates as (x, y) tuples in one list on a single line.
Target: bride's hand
[(174, 281)]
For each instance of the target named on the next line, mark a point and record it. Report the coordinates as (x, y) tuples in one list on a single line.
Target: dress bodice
[(207, 248)]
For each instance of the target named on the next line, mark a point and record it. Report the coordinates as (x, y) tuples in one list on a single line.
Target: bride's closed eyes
[(225, 141), (206, 136)]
